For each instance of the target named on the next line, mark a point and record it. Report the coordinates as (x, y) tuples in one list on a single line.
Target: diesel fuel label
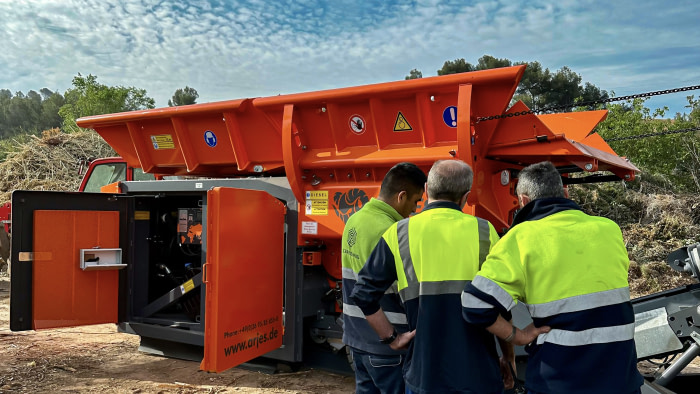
[(163, 141), (317, 202)]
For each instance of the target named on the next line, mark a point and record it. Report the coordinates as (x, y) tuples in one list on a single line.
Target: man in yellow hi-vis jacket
[(570, 269)]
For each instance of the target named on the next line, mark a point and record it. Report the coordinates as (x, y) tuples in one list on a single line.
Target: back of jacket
[(436, 252), (570, 269)]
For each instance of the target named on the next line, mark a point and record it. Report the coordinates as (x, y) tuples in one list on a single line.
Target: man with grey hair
[(432, 255), (570, 270)]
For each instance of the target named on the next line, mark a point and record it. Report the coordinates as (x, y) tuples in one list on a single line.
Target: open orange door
[(244, 277), (66, 259)]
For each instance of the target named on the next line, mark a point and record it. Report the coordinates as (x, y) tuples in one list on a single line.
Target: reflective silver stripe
[(491, 288), (484, 239), (588, 337), (349, 273), (580, 303), (396, 318), (412, 290), (442, 287), (470, 301), (393, 317), (432, 288), (405, 251)]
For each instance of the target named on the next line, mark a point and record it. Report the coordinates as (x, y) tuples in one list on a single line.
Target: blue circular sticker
[(449, 116), (210, 138)]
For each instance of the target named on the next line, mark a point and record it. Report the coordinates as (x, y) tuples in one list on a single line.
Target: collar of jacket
[(441, 204), (543, 207), (382, 206)]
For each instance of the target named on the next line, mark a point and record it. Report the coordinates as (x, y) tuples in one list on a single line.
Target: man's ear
[(402, 195), (523, 199), (566, 192), (463, 200)]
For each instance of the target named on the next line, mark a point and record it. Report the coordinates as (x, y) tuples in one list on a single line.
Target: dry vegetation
[(49, 162)]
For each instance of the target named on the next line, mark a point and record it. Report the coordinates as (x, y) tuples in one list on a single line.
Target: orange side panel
[(114, 187), (244, 277), (63, 294)]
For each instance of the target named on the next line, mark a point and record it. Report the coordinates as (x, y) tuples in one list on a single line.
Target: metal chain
[(668, 132), (588, 103)]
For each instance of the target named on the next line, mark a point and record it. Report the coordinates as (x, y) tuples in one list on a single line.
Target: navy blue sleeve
[(378, 274), (481, 309)]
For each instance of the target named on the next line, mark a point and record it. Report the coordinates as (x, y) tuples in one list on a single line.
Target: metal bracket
[(685, 322)]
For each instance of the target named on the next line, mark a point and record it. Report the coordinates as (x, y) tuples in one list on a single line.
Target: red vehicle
[(99, 172)]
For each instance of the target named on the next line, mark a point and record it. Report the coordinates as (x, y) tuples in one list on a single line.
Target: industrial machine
[(243, 259)]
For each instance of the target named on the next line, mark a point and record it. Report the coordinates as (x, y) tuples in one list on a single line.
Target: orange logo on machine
[(401, 123), (345, 204)]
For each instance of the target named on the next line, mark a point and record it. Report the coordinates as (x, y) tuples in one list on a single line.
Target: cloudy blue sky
[(232, 49)]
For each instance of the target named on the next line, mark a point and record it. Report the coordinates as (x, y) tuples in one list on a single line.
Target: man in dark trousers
[(377, 366)]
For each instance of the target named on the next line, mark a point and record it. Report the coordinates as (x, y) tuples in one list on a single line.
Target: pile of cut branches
[(50, 162)]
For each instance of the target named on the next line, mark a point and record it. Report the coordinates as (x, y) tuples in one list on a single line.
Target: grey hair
[(540, 180), (449, 180)]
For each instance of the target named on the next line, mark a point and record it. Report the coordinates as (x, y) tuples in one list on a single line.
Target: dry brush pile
[(49, 162)]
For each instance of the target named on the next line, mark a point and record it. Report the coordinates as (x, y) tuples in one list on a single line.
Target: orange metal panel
[(63, 294), (343, 140), (227, 138), (244, 277)]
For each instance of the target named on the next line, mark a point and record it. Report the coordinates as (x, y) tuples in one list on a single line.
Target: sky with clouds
[(229, 49)]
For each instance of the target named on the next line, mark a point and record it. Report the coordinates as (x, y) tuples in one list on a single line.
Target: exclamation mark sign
[(449, 116)]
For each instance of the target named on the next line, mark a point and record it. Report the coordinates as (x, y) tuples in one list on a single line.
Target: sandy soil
[(99, 359)]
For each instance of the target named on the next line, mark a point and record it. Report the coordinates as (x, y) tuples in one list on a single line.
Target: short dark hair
[(403, 176), (449, 180), (540, 180)]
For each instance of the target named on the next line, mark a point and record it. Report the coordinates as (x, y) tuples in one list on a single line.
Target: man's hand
[(528, 334), (506, 363), (401, 342)]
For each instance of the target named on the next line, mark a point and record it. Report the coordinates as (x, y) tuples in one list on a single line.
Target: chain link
[(640, 136), (588, 103)]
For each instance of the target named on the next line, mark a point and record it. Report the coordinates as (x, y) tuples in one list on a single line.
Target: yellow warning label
[(401, 123), (142, 215), (317, 202), (162, 141), (187, 286)]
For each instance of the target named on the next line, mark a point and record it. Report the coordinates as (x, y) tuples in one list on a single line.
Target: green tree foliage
[(539, 88), (455, 66), (672, 158), (414, 74), (30, 113), (88, 97), (184, 96)]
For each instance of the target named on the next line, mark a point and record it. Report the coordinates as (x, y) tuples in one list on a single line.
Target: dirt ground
[(99, 359)]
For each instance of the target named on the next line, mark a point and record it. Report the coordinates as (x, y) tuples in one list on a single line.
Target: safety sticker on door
[(317, 202)]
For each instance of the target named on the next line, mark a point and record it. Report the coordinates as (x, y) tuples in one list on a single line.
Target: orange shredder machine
[(239, 257)]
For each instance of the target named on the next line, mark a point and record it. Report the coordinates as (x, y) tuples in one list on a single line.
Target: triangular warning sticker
[(401, 123)]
